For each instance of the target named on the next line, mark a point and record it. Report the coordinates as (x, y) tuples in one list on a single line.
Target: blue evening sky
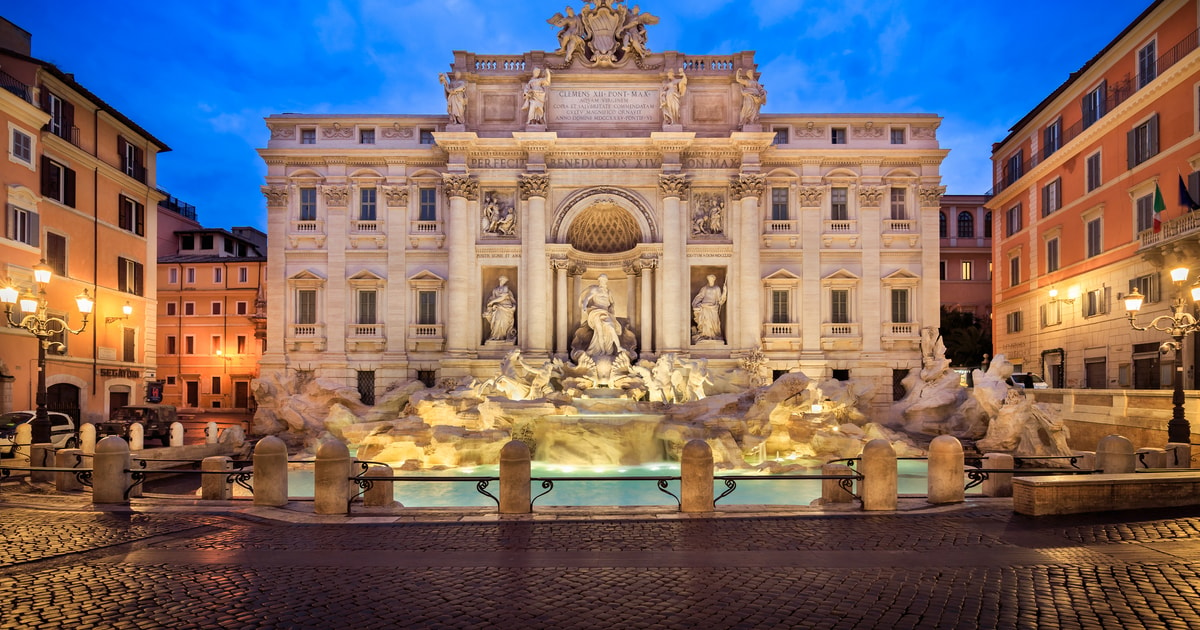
[(202, 75)]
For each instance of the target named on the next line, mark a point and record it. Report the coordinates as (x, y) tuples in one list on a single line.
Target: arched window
[(966, 225), (987, 225), (942, 225)]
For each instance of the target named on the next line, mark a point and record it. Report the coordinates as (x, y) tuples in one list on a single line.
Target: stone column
[(647, 315), (461, 240), (331, 478), (514, 478), (562, 304), (270, 472), (338, 311), (747, 189), (534, 187), (946, 476), (696, 477), (109, 479), (673, 337), (880, 477)]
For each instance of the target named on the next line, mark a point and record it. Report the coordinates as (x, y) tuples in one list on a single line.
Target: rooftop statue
[(456, 97), (603, 34)]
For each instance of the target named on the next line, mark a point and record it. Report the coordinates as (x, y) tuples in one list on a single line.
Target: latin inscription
[(603, 105)]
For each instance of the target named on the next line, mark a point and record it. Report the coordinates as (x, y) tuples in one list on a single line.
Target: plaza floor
[(169, 563)]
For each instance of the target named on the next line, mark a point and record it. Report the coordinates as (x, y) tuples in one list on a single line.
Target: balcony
[(366, 337), (1173, 230), (367, 235), (306, 231), (426, 338), (302, 337), (896, 335), (842, 336), (427, 233), (14, 85), (781, 337), (779, 227)]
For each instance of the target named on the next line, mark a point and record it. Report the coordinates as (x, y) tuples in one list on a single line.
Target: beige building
[(390, 234)]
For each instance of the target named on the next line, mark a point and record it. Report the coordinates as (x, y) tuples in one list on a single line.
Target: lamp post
[(34, 319), (1179, 324)]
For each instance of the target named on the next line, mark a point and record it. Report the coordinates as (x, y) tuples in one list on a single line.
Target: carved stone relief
[(337, 131), (277, 196), (396, 131), (498, 215), (396, 196), (336, 196), (870, 196), (708, 214), (810, 196)]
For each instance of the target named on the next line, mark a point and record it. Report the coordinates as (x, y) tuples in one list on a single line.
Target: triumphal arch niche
[(598, 206)]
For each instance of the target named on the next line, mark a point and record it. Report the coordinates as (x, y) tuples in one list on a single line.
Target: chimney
[(15, 38)]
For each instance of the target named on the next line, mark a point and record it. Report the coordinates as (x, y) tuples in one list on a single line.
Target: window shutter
[(35, 232), (45, 102), (47, 182), (69, 187), (1086, 106), (68, 120), (1153, 140), (137, 278), (139, 212), (1103, 99), (139, 164), (6, 220), (1194, 185), (1105, 298), (1131, 148), (122, 279), (122, 153)]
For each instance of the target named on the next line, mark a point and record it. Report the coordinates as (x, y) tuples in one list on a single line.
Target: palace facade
[(431, 247)]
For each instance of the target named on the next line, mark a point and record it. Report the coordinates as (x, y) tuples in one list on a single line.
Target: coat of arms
[(603, 34)]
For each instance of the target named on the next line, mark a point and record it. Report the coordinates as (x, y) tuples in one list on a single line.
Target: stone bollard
[(1151, 458), (946, 475), (24, 440), (331, 480), (68, 458), (211, 433), (215, 487), (270, 472), (1179, 455), (41, 456), (696, 478), (880, 478), (381, 493), (514, 478), (137, 436), (998, 484), (109, 479), (87, 438), (176, 434), (232, 436), (831, 489), (1114, 454), (1085, 460)]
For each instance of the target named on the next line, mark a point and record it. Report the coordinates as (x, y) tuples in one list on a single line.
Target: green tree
[(966, 336)]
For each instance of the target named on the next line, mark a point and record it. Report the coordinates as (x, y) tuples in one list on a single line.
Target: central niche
[(604, 228)]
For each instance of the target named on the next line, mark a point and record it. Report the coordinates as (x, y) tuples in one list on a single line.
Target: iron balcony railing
[(14, 85)]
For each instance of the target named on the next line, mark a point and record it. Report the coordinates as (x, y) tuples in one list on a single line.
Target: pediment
[(308, 274), (427, 276), (901, 274), (841, 274), (782, 274)]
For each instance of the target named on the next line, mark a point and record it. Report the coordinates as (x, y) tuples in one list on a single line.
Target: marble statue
[(534, 97), (596, 305), (456, 97), (706, 311), (754, 96), (708, 216), (570, 38), (500, 312), (603, 34), (671, 97), (1017, 424), (602, 348), (498, 217), (632, 32)]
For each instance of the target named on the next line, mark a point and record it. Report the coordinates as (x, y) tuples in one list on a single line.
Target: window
[(306, 306), (172, 309), (131, 216), (241, 344), (189, 308), (1095, 244), (1052, 255), (426, 136), (190, 275), (23, 225), (366, 206), (1013, 217), (1147, 64), (189, 344), (779, 307), (206, 241), (841, 374), (987, 225), (941, 270), (1148, 286), (129, 345), (366, 136), (427, 307), (22, 146), (1014, 168), (216, 347), (241, 308), (1145, 212), (900, 313), (1093, 171), (308, 136), (898, 135), (366, 386), (966, 225), (838, 209), (243, 274), (781, 136), (1142, 142), (779, 204), (216, 308), (1093, 104), (133, 159), (1013, 322), (838, 135), (427, 209), (366, 307), (1095, 302), (1052, 197), (172, 348), (62, 115), (228, 245), (56, 253), (942, 225), (217, 275), (308, 204), (187, 241), (967, 270), (129, 276), (173, 275), (1052, 138), (58, 182), (899, 212), (839, 306), (1014, 271), (170, 380)]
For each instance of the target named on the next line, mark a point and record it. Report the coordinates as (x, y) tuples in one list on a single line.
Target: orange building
[(77, 173), (212, 317), (965, 231), (1075, 209)]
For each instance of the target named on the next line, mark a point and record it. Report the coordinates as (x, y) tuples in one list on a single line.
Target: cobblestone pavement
[(979, 567)]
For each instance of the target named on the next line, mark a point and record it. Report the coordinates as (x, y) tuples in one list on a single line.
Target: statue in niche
[(754, 96), (500, 312), (534, 97), (706, 311), (671, 96), (707, 218), (602, 346), (498, 217), (456, 97)]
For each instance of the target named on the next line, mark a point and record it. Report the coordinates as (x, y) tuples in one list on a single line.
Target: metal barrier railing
[(366, 483), (661, 483), (82, 475), (846, 482)]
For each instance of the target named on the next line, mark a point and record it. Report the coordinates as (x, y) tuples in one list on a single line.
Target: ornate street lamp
[(1179, 324), (34, 319)]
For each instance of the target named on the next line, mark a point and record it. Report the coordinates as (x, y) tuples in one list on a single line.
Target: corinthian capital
[(673, 185), (397, 196), (810, 196), (870, 196), (931, 196), (461, 186), (534, 185), (336, 196), (276, 196), (748, 185)]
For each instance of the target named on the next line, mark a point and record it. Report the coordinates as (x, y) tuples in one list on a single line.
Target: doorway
[(64, 398), (193, 394), (241, 394)]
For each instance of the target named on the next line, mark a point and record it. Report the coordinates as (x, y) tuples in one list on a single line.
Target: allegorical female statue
[(754, 96), (501, 312), (596, 305), (706, 311), (456, 97), (671, 96), (534, 97)]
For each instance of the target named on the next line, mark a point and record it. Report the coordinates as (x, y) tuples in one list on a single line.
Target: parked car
[(62, 430), (156, 421), (1022, 379)]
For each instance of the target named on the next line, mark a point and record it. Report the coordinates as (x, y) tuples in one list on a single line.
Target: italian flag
[(1159, 206)]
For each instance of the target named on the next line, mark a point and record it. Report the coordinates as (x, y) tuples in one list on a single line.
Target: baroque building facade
[(431, 247), (1089, 205)]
